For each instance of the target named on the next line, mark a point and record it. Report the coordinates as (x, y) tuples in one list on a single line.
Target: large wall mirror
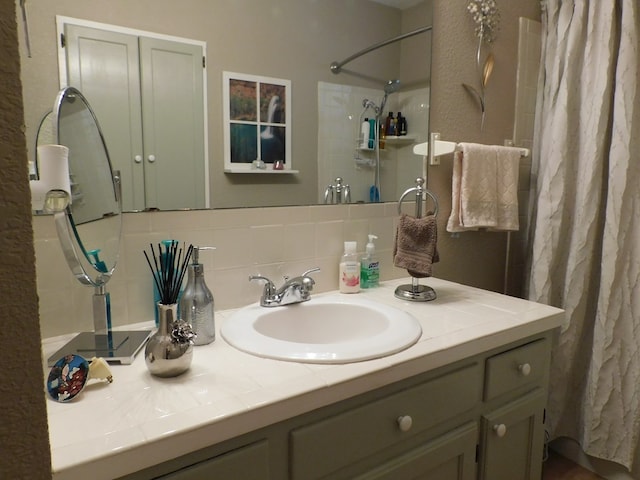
[(296, 40)]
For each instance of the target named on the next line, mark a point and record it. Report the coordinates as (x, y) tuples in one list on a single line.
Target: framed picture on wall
[(257, 124)]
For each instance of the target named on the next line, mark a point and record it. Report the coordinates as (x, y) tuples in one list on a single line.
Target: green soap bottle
[(370, 266)]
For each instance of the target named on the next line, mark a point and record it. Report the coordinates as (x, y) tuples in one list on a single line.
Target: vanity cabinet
[(246, 463), (478, 418), (340, 443), (512, 428)]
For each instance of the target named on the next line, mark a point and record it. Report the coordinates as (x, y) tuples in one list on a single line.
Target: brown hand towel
[(415, 245)]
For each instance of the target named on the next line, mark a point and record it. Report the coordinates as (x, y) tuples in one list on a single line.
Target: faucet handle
[(269, 287), (305, 274), (307, 281)]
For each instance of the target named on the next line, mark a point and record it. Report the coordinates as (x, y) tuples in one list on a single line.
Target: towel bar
[(442, 147)]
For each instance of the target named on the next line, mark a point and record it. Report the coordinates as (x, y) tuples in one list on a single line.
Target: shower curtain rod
[(337, 66)]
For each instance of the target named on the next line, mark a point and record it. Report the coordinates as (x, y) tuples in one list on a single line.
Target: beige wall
[(475, 259), (24, 440)]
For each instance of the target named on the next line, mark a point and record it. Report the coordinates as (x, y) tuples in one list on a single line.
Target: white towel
[(484, 188)]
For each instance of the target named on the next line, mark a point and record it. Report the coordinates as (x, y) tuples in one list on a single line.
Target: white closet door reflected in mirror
[(148, 96)]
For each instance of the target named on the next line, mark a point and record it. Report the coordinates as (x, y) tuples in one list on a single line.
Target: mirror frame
[(87, 270)]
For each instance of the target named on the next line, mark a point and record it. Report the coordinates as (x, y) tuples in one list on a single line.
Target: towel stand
[(415, 292)]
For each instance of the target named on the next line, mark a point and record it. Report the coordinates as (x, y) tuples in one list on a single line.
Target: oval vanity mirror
[(90, 228), (93, 221)]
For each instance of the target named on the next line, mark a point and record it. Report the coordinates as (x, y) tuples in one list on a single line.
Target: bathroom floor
[(558, 467)]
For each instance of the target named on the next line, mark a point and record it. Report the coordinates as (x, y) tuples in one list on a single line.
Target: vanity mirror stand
[(90, 228), (119, 347)]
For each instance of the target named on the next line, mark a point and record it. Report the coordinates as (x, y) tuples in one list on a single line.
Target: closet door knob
[(524, 369), (405, 422), (137, 158), (501, 430), (151, 158)]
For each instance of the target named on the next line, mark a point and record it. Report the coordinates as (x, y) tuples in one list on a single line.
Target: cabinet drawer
[(452, 456), (338, 441), (522, 366)]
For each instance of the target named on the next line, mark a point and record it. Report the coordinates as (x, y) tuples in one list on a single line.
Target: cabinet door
[(173, 119), (513, 440), (148, 96), (449, 457), (246, 463), (104, 66)]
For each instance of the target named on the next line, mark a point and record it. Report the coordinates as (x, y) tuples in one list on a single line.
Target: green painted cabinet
[(477, 419), (148, 96), (451, 456), (512, 439), (246, 463)]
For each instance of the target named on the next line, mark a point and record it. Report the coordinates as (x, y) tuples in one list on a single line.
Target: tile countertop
[(112, 430)]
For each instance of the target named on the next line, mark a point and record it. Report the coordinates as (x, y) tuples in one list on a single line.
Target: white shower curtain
[(585, 221)]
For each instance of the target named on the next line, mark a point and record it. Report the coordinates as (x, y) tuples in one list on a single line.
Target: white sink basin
[(331, 329)]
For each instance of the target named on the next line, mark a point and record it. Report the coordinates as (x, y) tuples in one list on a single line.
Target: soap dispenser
[(196, 304), (370, 266)]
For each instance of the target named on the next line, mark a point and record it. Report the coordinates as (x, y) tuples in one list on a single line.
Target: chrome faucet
[(294, 290)]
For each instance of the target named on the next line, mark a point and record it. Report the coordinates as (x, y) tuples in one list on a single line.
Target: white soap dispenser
[(196, 303), (349, 269), (370, 266)]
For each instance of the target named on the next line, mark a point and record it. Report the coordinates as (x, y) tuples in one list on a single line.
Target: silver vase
[(169, 351)]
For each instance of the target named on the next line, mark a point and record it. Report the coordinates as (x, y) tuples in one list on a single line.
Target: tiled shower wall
[(269, 241), (529, 45), (340, 109)]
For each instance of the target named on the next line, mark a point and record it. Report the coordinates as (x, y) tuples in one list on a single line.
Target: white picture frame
[(257, 124)]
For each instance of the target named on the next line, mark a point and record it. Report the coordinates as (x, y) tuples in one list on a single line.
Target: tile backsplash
[(274, 242)]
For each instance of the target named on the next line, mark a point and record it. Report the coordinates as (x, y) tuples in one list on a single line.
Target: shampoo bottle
[(196, 304), (349, 269), (402, 124), (372, 133), (364, 132), (370, 266), (390, 125)]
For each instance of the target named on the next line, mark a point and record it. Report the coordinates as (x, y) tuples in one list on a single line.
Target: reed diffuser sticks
[(168, 269)]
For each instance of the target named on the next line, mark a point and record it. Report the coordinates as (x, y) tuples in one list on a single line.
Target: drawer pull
[(501, 430), (137, 159), (405, 422), (524, 369)]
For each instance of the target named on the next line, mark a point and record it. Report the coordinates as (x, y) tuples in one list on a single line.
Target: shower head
[(392, 86)]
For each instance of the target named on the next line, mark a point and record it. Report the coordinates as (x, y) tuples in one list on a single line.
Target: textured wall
[(474, 258), (24, 440)]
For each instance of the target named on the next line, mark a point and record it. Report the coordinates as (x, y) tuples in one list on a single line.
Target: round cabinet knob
[(524, 369), (405, 422), (151, 158), (501, 430), (137, 158)]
